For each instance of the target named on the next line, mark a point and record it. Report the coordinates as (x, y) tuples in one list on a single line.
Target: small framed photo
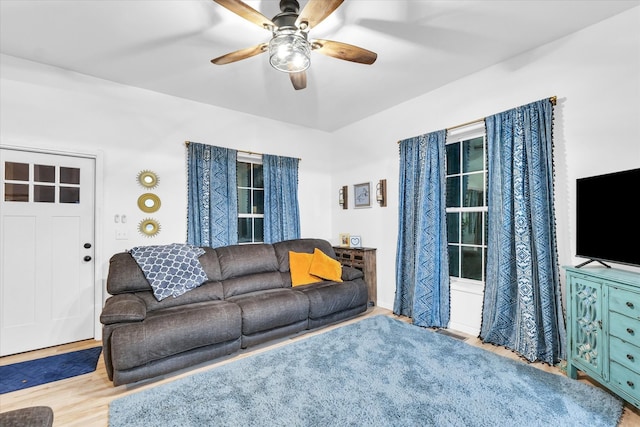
[(355, 241), (344, 239), (362, 195)]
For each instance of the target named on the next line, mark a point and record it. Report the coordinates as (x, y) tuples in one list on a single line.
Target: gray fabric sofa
[(248, 300)]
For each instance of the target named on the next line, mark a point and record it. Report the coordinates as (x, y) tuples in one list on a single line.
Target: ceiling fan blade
[(344, 51), (247, 12), (315, 11), (299, 80), (240, 54)]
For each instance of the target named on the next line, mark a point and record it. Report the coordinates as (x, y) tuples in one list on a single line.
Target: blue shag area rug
[(31, 373), (376, 372)]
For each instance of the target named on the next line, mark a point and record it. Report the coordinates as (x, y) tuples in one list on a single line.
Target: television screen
[(608, 222)]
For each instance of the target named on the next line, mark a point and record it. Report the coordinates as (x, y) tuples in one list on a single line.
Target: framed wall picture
[(362, 195)]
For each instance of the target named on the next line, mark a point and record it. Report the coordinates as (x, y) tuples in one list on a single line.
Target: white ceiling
[(166, 46)]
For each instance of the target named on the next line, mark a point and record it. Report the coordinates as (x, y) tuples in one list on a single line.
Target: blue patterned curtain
[(212, 209), (522, 301), (422, 260), (281, 212)]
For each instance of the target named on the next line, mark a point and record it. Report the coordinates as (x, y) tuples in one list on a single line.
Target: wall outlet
[(122, 235)]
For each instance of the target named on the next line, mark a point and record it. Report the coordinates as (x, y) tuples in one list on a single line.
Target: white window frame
[(252, 159), (457, 135)]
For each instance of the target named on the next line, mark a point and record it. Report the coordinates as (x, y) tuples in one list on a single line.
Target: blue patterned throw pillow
[(171, 270)]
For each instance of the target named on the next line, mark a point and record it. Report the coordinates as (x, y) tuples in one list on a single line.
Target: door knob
[(87, 258), (87, 245)]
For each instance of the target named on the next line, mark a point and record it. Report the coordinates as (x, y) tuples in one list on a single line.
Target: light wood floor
[(83, 401)]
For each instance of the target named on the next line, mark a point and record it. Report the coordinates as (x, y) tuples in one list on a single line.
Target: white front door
[(46, 250)]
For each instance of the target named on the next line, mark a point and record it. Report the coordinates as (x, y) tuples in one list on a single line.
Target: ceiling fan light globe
[(289, 51)]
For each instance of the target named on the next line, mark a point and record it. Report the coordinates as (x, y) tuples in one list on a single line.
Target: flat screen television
[(608, 220)]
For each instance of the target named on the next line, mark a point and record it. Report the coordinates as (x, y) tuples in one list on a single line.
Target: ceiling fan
[(290, 48)]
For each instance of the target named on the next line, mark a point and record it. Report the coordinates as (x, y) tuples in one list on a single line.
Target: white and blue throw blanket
[(171, 270)]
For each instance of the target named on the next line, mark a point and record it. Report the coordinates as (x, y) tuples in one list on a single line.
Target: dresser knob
[(630, 356), (630, 383), (629, 330), (629, 304)]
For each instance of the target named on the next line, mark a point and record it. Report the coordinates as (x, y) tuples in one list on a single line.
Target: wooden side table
[(364, 259)]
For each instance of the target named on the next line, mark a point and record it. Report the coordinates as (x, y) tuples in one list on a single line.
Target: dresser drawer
[(624, 302), (626, 380), (352, 257), (625, 354), (625, 328)]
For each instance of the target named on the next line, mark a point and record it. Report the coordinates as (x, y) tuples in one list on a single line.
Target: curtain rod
[(241, 151), (552, 99)]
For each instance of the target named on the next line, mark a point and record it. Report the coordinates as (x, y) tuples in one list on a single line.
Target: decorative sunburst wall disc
[(148, 179), (149, 202), (149, 227)]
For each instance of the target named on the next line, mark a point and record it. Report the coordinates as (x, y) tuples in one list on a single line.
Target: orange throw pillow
[(299, 264), (325, 267)]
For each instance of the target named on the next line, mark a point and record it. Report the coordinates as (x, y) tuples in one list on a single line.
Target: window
[(467, 202), (250, 199), (25, 182)]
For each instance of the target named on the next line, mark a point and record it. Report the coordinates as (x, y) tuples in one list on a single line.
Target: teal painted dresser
[(603, 327)]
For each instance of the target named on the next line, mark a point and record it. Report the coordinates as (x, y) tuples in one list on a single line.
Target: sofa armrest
[(123, 308), (350, 273)]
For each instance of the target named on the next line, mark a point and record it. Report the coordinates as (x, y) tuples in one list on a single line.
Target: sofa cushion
[(252, 283), (210, 264), (174, 330), (327, 298), (283, 248), (208, 291), (325, 267), (125, 275), (123, 308), (351, 273), (241, 260), (299, 265), (271, 309), (171, 270)]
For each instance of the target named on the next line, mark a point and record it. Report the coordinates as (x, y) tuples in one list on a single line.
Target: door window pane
[(16, 192), (44, 193), (69, 175), (44, 173), (69, 194), (16, 171)]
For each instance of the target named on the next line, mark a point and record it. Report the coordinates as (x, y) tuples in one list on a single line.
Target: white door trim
[(100, 293)]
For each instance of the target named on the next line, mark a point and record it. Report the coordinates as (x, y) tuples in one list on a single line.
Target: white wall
[(595, 73), (130, 130)]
